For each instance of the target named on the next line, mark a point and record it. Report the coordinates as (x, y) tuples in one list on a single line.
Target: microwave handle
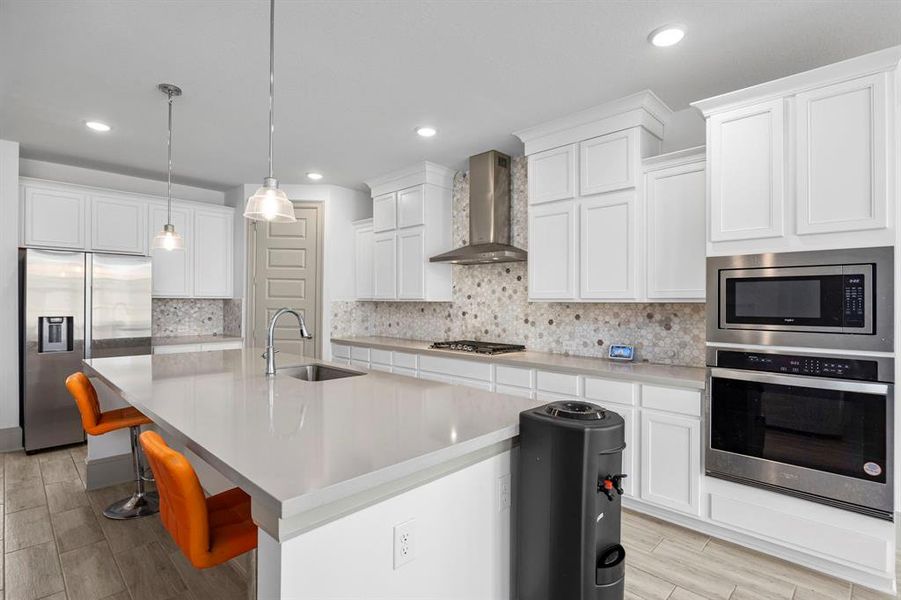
[(841, 385)]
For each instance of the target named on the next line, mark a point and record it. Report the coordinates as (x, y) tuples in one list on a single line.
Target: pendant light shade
[(168, 238), (269, 203)]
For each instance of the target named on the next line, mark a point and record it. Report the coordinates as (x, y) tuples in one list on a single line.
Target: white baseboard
[(110, 470), (10, 439)]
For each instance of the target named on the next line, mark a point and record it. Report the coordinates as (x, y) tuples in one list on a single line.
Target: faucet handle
[(266, 353)]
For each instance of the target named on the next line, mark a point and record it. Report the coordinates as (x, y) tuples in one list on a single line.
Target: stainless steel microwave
[(838, 299)]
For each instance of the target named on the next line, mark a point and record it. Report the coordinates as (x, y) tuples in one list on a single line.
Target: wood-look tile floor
[(58, 546)]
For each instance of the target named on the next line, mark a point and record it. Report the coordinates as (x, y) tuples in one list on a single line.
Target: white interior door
[(286, 274)]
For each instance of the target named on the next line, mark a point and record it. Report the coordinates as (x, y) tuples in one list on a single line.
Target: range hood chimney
[(489, 214)]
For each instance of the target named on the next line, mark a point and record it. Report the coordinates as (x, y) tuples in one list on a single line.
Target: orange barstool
[(209, 531), (94, 422)]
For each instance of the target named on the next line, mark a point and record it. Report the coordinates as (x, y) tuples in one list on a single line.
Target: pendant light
[(270, 203), (168, 239)]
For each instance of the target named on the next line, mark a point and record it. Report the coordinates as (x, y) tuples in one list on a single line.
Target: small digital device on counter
[(621, 352)]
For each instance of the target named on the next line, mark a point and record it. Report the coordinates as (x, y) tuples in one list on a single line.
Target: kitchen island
[(335, 468)]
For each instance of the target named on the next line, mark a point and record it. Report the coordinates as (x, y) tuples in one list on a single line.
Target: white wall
[(114, 181), (685, 129), (342, 206), (9, 296)]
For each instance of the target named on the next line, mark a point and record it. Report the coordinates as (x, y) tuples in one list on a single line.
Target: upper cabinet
[(593, 210), (412, 220), (72, 217), (804, 162)]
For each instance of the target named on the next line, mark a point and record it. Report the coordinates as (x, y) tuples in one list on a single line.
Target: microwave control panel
[(793, 364), (853, 300)]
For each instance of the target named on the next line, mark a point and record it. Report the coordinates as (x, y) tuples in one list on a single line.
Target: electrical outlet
[(404, 543), (504, 492)]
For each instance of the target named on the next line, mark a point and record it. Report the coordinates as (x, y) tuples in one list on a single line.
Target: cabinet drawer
[(558, 383), (513, 390), (357, 353), (686, 402), (605, 390), (211, 346), (516, 376), (404, 371), (378, 367), (405, 360), (382, 357), (455, 367), (339, 351), (363, 364)]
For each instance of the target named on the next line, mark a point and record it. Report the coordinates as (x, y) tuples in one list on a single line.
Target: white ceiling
[(353, 78)]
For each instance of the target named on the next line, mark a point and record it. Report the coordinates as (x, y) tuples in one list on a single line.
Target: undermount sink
[(317, 372)]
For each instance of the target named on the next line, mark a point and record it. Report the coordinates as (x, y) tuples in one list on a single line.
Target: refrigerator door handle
[(88, 304)]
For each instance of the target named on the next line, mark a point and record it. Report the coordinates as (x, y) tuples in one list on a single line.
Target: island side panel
[(462, 545)]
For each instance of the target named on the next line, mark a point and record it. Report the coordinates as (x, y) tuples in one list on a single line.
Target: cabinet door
[(676, 217), (552, 251), (671, 461), (842, 142), (410, 210), (630, 483), (363, 263), (608, 246), (54, 218), (213, 248), (172, 272), (552, 175), (747, 167), (385, 266), (608, 163), (384, 212), (118, 225), (411, 264)]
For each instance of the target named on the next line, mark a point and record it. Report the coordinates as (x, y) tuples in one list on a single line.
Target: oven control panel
[(795, 364)]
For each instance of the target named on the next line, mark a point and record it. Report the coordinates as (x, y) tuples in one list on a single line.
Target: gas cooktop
[(477, 347)]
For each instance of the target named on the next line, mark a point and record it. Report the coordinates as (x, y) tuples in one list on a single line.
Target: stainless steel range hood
[(489, 214)]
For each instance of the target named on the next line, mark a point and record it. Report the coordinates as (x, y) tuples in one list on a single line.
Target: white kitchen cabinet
[(841, 135), (177, 349), (363, 259), (671, 461), (552, 251), (609, 162), (213, 253), (173, 275), (412, 220), (747, 170), (609, 246), (54, 217), (384, 212), (552, 174), (411, 207), (676, 230), (384, 270), (118, 224), (630, 483), (411, 263)]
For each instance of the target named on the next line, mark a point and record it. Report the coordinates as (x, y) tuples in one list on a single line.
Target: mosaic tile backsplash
[(491, 303), (187, 316)]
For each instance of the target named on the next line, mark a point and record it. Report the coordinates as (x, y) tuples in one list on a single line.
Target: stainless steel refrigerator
[(73, 305)]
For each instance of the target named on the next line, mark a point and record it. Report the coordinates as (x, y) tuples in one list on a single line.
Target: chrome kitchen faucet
[(269, 355)]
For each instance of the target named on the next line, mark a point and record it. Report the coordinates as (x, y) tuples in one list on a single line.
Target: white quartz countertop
[(671, 375), (181, 340), (296, 445)]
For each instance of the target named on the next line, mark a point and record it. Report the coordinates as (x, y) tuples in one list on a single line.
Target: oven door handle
[(842, 385)]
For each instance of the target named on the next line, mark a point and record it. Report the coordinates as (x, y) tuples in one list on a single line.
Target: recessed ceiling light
[(668, 35), (426, 131), (97, 126), (314, 176)]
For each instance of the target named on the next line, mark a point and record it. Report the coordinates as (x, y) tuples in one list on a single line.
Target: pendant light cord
[(271, 79), (169, 166)]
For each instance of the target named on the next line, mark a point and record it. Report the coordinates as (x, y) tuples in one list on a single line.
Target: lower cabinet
[(630, 483), (671, 461), (207, 347)]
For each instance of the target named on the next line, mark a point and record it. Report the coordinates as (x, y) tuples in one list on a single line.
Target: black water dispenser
[(569, 503)]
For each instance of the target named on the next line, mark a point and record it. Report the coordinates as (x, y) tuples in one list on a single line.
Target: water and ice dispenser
[(55, 334), (569, 503)]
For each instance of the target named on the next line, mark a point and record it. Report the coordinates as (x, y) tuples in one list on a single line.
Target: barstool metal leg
[(141, 503), (252, 579)]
